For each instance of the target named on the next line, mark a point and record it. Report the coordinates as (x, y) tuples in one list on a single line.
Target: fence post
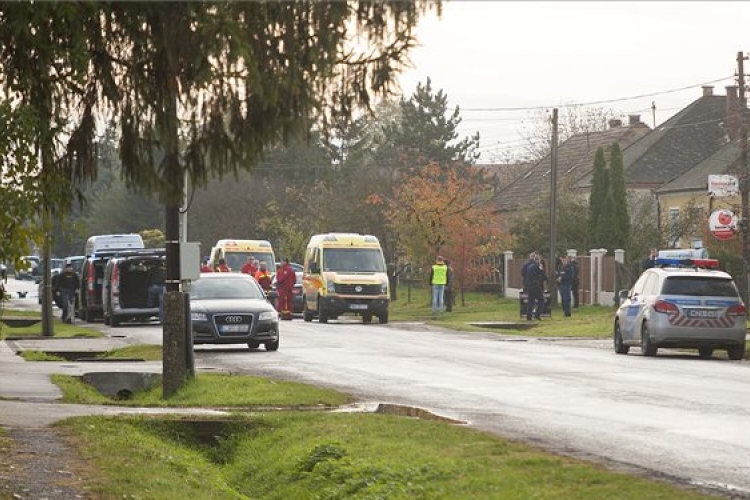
[(619, 263), (507, 258), (597, 257)]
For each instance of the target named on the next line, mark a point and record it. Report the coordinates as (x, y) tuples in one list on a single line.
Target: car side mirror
[(272, 295), (314, 268), (623, 295)]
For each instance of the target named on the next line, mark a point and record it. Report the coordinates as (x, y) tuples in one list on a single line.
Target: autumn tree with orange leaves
[(443, 210)]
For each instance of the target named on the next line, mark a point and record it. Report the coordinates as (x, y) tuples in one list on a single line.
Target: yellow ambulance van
[(344, 273), (236, 252)]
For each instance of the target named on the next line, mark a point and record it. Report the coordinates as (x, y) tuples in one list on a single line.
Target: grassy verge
[(211, 390), (586, 321), (61, 329), (145, 352), (313, 455)]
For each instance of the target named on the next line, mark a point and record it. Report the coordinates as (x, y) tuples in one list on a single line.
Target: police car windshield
[(353, 260), (699, 286)]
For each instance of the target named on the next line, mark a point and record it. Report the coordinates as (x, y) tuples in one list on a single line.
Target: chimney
[(733, 112), (614, 123), (708, 90), (634, 120)]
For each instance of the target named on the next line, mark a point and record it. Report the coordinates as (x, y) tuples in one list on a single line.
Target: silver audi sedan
[(231, 308)]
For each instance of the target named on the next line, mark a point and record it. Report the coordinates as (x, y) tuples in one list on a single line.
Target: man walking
[(67, 284), (438, 280)]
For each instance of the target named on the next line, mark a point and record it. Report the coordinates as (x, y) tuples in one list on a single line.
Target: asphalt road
[(675, 415)]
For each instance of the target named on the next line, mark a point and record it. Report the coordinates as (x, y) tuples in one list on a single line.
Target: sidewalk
[(29, 399)]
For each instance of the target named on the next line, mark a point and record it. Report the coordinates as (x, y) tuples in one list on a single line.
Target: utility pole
[(744, 174), (553, 212)]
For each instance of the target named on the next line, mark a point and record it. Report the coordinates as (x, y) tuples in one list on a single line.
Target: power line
[(604, 101)]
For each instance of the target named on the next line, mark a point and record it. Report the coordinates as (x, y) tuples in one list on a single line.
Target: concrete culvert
[(119, 385), (124, 395)]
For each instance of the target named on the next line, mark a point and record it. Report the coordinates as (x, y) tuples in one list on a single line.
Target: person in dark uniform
[(575, 285), (66, 285), (448, 296), (534, 280)]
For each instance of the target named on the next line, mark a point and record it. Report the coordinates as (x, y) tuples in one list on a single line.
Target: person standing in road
[(67, 285), (205, 268), (564, 277), (286, 278), (263, 277), (223, 267), (250, 267), (448, 295), (438, 280)]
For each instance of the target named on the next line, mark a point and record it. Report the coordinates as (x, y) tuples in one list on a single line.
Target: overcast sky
[(508, 54)]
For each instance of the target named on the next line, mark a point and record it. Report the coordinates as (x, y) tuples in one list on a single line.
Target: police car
[(682, 303)]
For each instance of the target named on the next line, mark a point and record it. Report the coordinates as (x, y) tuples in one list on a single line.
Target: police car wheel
[(620, 347), (648, 347)]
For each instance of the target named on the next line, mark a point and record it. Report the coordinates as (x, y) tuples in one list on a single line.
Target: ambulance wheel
[(307, 314), (383, 318), (322, 314)]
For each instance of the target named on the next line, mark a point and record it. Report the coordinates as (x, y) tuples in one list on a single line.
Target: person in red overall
[(205, 268), (223, 267), (285, 281), (250, 267)]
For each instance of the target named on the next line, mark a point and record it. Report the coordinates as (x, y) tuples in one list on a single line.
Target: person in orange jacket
[(223, 267), (263, 277)]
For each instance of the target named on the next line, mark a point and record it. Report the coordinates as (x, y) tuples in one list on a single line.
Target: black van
[(132, 284)]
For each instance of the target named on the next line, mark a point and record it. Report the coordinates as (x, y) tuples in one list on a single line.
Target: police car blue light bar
[(677, 262)]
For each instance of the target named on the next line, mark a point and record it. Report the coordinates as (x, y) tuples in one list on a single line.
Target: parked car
[(682, 307), (125, 286), (297, 292), (56, 266), (28, 268), (231, 308)]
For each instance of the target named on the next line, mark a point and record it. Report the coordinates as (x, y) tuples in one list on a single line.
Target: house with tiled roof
[(652, 158), (673, 163), (575, 160), (687, 197)]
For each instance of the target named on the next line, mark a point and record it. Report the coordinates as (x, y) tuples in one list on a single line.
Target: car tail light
[(662, 306), (90, 277), (737, 310), (115, 281)]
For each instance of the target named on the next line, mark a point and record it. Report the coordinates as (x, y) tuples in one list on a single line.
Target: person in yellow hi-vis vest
[(438, 280)]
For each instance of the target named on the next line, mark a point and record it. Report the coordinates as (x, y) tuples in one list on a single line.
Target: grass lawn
[(586, 321), (60, 329)]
